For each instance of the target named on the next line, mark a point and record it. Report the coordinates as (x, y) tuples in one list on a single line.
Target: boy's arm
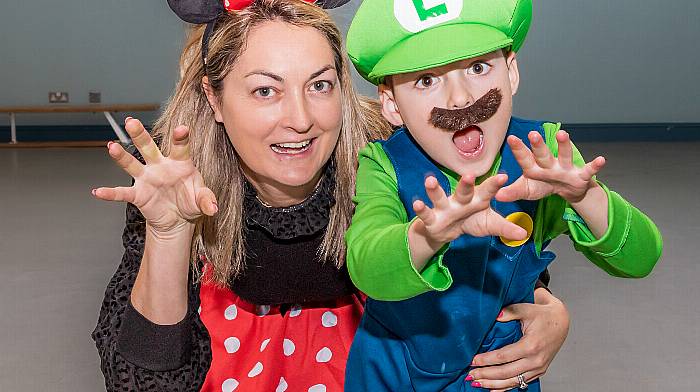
[(629, 247), (378, 257)]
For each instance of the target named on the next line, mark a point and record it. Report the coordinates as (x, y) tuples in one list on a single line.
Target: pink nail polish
[(126, 120), (476, 384), (500, 315), (469, 378), (109, 144), (94, 192)]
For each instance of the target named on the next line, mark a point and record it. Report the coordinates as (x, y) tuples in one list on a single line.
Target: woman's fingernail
[(476, 384), (469, 378), (109, 144), (126, 120), (94, 192), (500, 315)]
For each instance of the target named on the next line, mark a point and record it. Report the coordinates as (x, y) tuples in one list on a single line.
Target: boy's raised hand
[(467, 211), (544, 175)]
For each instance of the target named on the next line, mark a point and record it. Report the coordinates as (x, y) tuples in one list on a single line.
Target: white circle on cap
[(232, 344), (229, 385), (231, 312), (417, 16), (318, 388), (324, 355)]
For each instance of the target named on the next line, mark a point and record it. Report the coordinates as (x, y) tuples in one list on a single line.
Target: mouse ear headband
[(208, 11)]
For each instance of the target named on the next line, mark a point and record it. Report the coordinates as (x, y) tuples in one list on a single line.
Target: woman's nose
[(297, 116)]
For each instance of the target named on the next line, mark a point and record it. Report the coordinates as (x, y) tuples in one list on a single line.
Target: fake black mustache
[(459, 119)]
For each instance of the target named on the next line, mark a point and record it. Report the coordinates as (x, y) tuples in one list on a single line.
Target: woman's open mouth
[(469, 141), (292, 148)]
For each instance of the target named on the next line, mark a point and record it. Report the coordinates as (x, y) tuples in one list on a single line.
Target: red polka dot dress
[(270, 348)]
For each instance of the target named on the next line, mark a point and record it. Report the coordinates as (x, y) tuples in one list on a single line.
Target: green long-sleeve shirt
[(379, 259)]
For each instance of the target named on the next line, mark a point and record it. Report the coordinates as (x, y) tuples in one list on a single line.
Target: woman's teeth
[(291, 148)]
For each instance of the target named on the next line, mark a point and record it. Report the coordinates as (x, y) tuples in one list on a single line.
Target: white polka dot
[(288, 347), (199, 310), (324, 355), (231, 312), (264, 344), (229, 385), (329, 319), (262, 310), (232, 344), (295, 311), (318, 388), (257, 369), (282, 385), (227, 3)]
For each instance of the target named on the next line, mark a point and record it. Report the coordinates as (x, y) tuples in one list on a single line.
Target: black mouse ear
[(328, 4), (197, 11)]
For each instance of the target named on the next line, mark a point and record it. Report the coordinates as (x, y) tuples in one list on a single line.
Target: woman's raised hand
[(169, 191)]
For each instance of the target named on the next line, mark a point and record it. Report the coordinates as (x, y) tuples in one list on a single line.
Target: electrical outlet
[(58, 97), (95, 97)]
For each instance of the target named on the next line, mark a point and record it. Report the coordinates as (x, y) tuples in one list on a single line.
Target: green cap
[(389, 37)]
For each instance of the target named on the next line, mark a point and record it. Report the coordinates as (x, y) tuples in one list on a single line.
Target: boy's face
[(428, 102)]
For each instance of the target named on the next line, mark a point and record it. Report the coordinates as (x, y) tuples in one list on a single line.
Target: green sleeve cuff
[(615, 236), (435, 275)]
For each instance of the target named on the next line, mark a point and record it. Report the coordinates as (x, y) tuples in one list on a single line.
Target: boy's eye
[(479, 68), (426, 81)]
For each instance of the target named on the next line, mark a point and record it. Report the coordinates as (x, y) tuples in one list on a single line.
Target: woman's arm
[(122, 332), (545, 325)]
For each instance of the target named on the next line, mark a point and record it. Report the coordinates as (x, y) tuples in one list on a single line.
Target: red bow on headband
[(237, 5)]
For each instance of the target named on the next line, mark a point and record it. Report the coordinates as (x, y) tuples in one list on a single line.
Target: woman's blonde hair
[(221, 238)]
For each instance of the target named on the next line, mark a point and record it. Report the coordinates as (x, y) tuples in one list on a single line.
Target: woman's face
[(281, 106)]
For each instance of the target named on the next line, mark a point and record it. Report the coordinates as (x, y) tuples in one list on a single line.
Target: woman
[(267, 303)]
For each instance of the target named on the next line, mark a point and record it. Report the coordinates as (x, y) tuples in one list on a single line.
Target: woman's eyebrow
[(320, 71), (265, 73)]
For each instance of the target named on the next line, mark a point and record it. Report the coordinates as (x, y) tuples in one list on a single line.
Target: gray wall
[(585, 62), (127, 49)]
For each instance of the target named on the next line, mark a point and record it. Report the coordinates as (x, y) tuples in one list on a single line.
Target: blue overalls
[(427, 343)]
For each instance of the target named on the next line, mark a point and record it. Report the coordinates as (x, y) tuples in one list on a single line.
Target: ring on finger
[(521, 381)]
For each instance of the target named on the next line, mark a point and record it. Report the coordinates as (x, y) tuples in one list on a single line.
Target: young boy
[(455, 209)]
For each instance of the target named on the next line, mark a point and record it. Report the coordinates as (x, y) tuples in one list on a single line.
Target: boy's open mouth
[(469, 141)]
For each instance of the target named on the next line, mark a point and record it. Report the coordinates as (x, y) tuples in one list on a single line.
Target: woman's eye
[(322, 86), (264, 92), (478, 69), (426, 81)]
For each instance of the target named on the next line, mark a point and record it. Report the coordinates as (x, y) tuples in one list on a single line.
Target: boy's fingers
[(522, 154), (423, 212), (142, 140), (206, 201), (501, 227), (513, 192), (488, 189), (121, 193), (180, 147), (126, 161), (565, 149), (592, 168), (465, 189), (436, 193), (543, 156)]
